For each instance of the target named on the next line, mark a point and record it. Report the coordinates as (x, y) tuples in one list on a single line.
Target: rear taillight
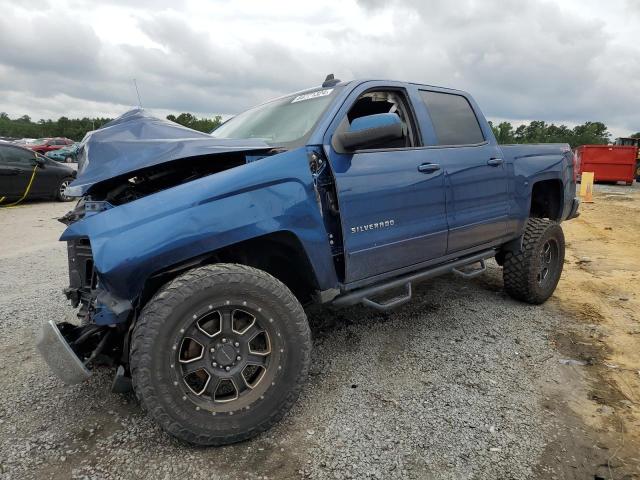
[(575, 167)]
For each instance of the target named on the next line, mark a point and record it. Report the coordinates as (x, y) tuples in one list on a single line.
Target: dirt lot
[(600, 291), (461, 383)]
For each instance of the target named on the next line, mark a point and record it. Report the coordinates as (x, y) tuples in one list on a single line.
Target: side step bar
[(471, 273), (363, 295)]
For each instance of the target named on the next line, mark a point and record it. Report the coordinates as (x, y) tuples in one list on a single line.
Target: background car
[(65, 154), (17, 165), (44, 145)]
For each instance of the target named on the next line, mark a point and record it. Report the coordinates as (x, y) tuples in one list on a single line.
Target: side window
[(392, 101), (453, 118), (17, 156)]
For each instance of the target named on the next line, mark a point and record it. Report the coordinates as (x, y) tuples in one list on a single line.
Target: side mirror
[(39, 161), (371, 130)]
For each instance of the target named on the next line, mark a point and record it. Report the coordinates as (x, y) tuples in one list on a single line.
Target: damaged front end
[(129, 159), (98, 338)]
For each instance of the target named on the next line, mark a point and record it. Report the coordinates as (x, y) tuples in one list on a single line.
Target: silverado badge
[(373, 226)]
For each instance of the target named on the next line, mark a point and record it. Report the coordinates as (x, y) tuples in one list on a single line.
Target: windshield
[(282, 122)]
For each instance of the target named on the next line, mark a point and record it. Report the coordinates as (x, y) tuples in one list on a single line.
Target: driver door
[(16, 166), (392, 197)]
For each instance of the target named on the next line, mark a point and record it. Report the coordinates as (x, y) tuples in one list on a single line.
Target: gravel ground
[(451, 386)]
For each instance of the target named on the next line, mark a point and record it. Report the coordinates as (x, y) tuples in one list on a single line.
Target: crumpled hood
[(136, 140)]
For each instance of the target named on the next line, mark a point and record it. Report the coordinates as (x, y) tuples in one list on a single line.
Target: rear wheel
[(62, 187), (220, 354), (532, 274)]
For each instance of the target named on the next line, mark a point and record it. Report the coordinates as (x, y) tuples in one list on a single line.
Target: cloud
[(532, 60), (522, 60), (372, 4)]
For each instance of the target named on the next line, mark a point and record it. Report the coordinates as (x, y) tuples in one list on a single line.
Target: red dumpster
[(609, 163)]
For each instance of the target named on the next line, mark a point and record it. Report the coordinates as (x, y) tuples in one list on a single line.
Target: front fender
[(132, 241)]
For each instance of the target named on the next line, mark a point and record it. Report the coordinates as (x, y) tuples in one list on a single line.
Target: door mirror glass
[(371, 130)]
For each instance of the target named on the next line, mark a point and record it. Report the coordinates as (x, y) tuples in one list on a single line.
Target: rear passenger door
[(475, 172)]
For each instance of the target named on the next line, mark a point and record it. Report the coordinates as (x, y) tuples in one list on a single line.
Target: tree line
[(24, 127), (200, 124), (76, 128), (537, 131)]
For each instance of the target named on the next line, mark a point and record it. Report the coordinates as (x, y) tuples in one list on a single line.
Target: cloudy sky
[(564, 61)]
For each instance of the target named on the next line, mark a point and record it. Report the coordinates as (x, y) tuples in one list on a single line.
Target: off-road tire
[(151, 346), (521, 269)]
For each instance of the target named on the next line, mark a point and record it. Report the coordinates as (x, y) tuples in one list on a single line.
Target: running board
[(471, 273), (393, 303), (363, 295)]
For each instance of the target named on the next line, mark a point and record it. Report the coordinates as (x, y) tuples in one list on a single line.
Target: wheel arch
[(279, 253), (547, 199)]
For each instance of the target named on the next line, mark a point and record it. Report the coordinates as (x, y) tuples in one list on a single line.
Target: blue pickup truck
[(193, 255)]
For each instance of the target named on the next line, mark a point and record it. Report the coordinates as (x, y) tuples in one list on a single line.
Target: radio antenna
[(137, 92)]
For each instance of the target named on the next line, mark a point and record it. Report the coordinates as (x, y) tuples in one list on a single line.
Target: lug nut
[(238, 358), (224, 340), (227, 368), (237, 344), (213, 349), (214, 364)]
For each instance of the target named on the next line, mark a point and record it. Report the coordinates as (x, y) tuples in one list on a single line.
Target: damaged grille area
[(130, 187), (82, 276), (91, 343)]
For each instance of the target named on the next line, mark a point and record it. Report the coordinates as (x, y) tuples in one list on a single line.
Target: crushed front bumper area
[(58, 354)]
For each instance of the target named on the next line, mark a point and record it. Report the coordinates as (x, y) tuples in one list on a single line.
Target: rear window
[(453, 119)]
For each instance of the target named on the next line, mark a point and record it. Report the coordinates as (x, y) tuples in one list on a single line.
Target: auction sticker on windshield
[(309, 96)]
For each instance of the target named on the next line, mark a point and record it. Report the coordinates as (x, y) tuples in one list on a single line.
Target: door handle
[(428, 167), (495, 162)]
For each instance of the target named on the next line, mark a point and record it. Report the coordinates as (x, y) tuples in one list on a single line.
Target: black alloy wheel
[(226, 356)]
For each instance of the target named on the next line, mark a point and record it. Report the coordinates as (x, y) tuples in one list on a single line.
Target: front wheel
[(220, 354), (532, 274)]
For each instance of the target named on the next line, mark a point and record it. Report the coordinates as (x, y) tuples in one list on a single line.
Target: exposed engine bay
[(127, 188), (147, 181)]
